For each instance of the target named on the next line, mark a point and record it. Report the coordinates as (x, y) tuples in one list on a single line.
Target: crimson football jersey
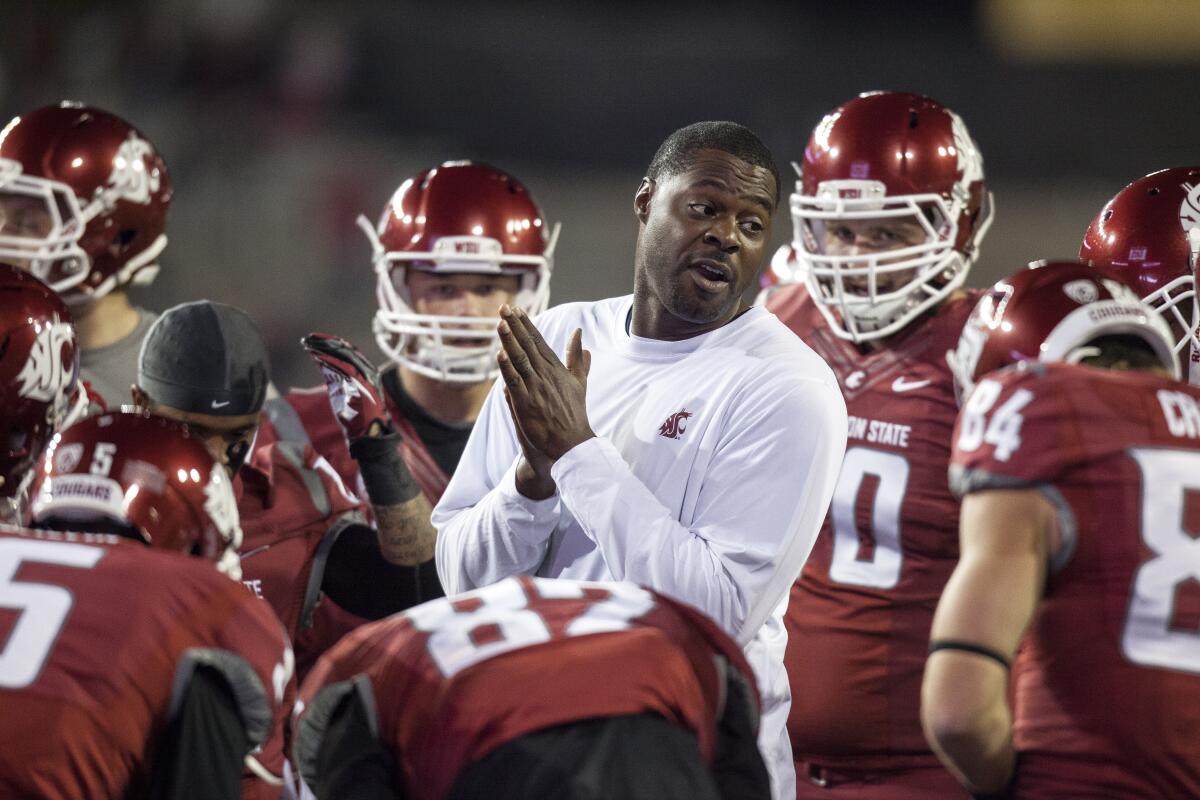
[(859, 616), (98, 636), (306, 416), (452, 679), (1107, 680), (292, 506)]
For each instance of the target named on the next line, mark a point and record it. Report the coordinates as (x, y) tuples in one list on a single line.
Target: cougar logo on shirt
[(44, 375), (131, 178), (673, 427)]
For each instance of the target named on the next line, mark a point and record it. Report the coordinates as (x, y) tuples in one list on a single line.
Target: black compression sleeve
[(738, 767), (351, 763), (384, 473), (359, 579), (201, 752)]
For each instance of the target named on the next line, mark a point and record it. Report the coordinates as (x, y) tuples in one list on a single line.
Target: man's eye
[(841, 234), (704, 209), (752, 226)]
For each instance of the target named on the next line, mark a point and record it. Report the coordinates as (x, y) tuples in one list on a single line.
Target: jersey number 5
[(43, 608), (1147, 637)]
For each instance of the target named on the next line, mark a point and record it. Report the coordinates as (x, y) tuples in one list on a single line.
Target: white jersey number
[(882, 570), (501, 620), (1003, 430), (43, 608), (1147, 638)]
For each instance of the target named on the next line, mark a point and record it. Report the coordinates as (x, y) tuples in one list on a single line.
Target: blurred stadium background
[(282, 120)]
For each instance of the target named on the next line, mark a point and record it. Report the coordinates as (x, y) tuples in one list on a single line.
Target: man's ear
[(641, 200)]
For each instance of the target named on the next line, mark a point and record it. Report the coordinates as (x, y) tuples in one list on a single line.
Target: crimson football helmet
[(83, 200), (39, 367), (1144, 236), (458, 217), (1050, 313), (887, 156), (145, 475)]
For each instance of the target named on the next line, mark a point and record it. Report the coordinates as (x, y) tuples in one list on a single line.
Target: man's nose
[(472, 304), (722, 234)]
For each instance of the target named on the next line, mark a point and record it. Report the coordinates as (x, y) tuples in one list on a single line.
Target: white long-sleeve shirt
[(713, 465)]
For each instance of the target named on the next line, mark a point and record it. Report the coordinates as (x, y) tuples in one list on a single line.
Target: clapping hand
[(547, 399)]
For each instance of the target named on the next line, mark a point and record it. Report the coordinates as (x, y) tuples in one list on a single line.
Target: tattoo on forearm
[(406, 536)]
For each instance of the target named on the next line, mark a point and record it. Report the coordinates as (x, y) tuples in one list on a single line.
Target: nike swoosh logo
[(901, 385), (215, 404)]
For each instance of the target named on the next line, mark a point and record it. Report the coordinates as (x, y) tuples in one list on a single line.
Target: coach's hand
[(547, 399)]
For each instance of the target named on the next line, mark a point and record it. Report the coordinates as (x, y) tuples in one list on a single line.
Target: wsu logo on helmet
[(44, 375), (1189, 209), (220, 505), (130, 178), (970, 162)]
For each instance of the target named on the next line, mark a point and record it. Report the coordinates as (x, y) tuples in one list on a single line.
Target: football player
[(39, 368), (129, 666), (1077, 531), (306, 536), (1148, 234), (83, 205), (534, 687), (887, 216), (453, 244)]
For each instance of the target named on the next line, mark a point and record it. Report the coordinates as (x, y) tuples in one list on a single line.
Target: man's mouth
[(711, 275)]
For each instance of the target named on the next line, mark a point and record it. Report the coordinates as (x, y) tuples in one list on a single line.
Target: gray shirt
[(112, 369)]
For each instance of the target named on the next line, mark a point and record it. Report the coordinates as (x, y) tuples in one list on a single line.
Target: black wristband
[(968, 647), (1010, 789), (384, 473)]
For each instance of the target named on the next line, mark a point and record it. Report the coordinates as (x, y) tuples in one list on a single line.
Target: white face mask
[(452, 349)]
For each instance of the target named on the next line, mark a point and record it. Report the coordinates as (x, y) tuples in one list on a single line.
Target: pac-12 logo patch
[(1082, 291), (66, 458)]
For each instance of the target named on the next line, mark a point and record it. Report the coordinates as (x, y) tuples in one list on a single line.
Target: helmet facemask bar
[(1175, 303), (54, 257), (422, 342), (937, 268)]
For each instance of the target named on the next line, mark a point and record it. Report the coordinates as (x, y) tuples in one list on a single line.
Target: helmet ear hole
[(123, 240)]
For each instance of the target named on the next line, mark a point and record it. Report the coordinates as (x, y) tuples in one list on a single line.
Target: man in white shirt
[(694, 445)]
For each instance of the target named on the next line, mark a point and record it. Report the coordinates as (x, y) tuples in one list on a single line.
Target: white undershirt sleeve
[(487, 530), (761, 505)]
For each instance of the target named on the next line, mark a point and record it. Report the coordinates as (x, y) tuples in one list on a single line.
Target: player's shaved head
[(679, 150)]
